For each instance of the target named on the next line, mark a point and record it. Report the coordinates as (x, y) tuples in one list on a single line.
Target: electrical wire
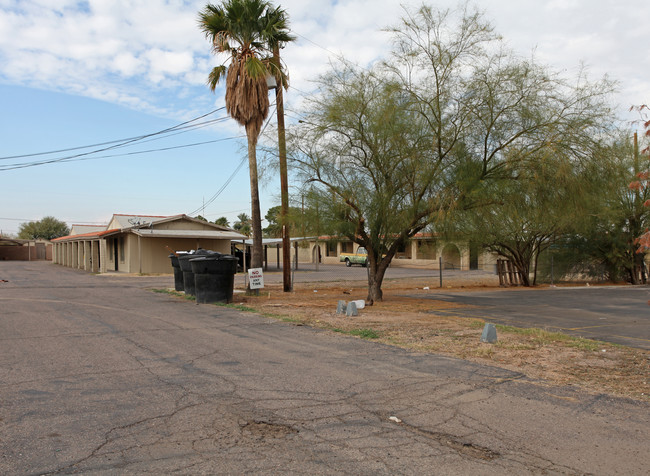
[(162, 149), (221, 189), (127, 142), (119, 143), (130, 140), (232, 176), (83, 158), (180, 126), (338, 55)]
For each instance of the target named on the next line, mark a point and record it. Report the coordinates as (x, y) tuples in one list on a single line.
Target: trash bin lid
[(213, 255)]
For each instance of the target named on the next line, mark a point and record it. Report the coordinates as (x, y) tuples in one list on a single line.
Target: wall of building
[(155, 251), (132, 254), (425, 253)]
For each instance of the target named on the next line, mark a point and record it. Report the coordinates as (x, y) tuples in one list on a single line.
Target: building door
[(115, 252), (473, 255)]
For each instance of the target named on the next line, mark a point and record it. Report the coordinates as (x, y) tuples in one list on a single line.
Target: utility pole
[(284, 181)]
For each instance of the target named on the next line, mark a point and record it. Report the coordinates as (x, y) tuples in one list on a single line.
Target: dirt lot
[(406, 322)]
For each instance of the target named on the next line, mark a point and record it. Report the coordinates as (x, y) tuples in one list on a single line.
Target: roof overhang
[(200, 234), (277, 241), (87, 236)]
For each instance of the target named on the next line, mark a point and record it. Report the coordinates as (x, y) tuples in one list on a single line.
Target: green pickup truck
[(360, 257)]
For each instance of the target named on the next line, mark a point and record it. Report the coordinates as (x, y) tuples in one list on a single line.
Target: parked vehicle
[(360, 257)]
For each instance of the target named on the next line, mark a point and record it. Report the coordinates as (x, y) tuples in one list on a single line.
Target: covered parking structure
[(13, 249)]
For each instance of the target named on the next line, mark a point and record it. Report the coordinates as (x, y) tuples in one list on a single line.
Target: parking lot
[(102, 376), (618, 314)]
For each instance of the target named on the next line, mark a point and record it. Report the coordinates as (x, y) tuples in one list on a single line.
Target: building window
[(347, 247), (110, 250), (331, 248), (404, 251)]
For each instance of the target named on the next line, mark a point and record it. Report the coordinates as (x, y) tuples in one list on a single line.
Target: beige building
[(138, 243), (424, 250)]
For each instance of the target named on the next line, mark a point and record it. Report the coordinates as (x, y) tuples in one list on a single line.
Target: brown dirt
[(406, 322)]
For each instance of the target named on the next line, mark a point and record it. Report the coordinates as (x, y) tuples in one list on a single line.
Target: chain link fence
[(311, 265)]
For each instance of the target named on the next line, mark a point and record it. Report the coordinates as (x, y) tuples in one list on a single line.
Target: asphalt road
[(101, 376), (618, 314)]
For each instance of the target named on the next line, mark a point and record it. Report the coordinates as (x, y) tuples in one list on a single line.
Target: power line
[(155, 150), (338, 55), (183, 125), (127, 141), (221, 189), (84, 156), (225, 213), (119, 143), (16, 219), (232, 176)]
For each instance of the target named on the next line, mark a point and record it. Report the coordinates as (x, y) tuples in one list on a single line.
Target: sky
[(102, 73)]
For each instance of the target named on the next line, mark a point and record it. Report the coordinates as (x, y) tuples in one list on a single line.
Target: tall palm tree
[(247, 30)]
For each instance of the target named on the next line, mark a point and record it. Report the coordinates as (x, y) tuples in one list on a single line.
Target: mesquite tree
[(393, 149)]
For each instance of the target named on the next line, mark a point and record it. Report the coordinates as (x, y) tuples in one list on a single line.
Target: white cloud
[(127, 48), (169, 62), (127, 64)]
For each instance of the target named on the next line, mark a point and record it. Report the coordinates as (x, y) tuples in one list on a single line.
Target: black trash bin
[(214, 277), (178, 272), (186, 268)]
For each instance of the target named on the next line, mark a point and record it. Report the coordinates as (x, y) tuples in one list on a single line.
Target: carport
[(23, 250)]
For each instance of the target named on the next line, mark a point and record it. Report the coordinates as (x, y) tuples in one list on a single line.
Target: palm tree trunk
[(256, 217)]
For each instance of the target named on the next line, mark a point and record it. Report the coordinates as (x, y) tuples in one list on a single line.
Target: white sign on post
[(256, 278)]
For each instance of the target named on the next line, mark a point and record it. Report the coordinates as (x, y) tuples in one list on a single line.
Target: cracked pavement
[(101, 376)]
